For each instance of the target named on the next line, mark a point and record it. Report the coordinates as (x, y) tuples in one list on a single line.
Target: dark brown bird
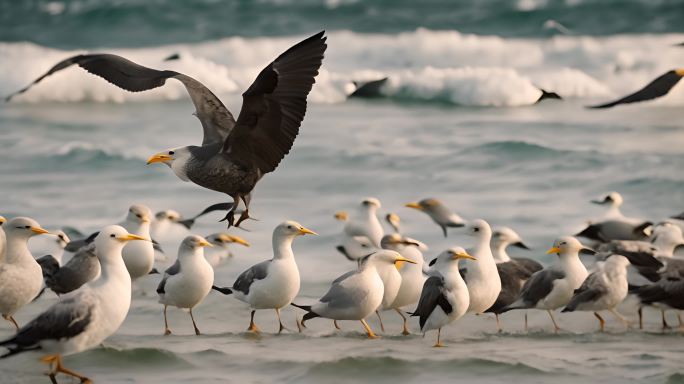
[(655, 89), (234, 155)]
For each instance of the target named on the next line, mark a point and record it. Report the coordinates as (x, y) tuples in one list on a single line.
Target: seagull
[(653, 90), (502, 238), (614, 201), (139, 256), (85, 319), (83, 267), (163, 222), (607, 230), (439, 213), (481, 277), (188, 281), (603, 289), (355, 295), (666, 293), (366, 222), (553, 286), (394, 221), (21, 277), (3, 241), (234, 155), (220, 252), (274, 283), (444, 297), (412, 277)]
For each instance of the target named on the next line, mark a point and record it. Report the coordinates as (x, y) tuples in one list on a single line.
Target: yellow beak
[(414, 206), (463, 256), (680, 72), (399, 262), (306, 231), (159, 158), (130, 237), (553, 250), (239, 240), (341, 216), (145, 219), (204, 243), (2, 220), (39, 230)]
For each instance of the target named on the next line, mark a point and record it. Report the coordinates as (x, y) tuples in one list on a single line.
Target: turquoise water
[(457, 122)]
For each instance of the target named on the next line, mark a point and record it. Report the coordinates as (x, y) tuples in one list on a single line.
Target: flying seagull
[(655, 89), (235, 154)]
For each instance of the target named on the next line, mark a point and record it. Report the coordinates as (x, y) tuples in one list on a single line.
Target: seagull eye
[(289, 226), (27, 226), (139, 215), (171, 152), (112, 235), (476, 229), (563, 243)]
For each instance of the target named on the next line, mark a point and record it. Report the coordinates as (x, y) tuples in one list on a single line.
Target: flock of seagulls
[(632, 258)]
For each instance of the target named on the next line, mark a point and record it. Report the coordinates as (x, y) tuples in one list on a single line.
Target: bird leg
[(55, 362), (167, 331), (438, 344), (382, 326), (602, 323), (369, 331), (230, 216), (11, 320), (336, 326), (641, 317), (556, 328), (405, 330), (622, 319), (526, 322), (665, 325), (194, 325), (498, 323), (252, 327), (245, 214), (281, 327)]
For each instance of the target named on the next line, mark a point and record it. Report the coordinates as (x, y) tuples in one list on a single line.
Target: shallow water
[(73, 150)]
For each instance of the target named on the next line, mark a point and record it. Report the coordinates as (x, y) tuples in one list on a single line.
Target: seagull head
[(505, 236), (568, 246), (370, 203), (139, 214), (24, 227), (386, 256), (426, 205), (175, 158), (62, 239), (396, 241), (193, 243), (111, 240), (223, 239), (168, 214), (613, 199), (2, 221), (341, 216), (453, 254), (290, 229), (480, 229)]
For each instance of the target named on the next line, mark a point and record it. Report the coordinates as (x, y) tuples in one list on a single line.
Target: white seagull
[(188, 281), (139, 256), (355, 295), (444, 297), (274, 283), (482, 277), (553, 287), (85, 319), (603, 289), (366, 223), (412, 276), (21, 277)]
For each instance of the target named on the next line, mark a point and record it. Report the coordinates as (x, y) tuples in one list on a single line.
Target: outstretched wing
[(655, 89), (216, 120), (274, 106)]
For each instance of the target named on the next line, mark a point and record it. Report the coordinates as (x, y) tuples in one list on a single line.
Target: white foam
[(447, 66)]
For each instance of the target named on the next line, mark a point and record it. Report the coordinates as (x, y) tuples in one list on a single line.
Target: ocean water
[(457, 121)]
